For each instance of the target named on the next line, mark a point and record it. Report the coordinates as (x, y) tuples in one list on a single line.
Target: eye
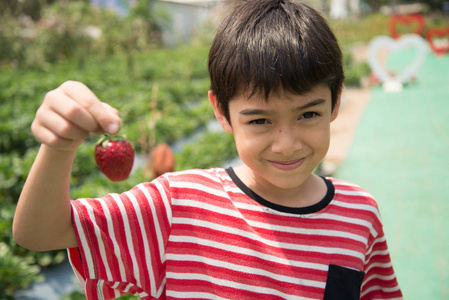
[(259, 122), (309, 115)]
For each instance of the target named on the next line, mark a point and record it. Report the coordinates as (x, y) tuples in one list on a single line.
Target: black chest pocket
[(343, 283)]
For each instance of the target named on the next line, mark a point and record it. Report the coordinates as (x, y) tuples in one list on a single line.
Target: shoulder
[(196, 178), (352, 190), (353, 194), (183, 184), (215, 174), (352, 200), (198, 187)]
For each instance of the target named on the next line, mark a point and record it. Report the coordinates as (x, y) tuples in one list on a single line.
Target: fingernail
[(112, 128)]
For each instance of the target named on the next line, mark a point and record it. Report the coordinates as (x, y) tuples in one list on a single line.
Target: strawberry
[(114, 156)]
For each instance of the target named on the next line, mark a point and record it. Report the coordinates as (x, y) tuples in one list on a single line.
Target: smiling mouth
[(287, 165)]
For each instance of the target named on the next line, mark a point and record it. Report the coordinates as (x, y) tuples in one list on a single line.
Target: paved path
[(58, 282), (400, 154)]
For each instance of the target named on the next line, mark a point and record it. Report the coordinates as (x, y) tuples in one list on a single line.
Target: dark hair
[(263, 46)]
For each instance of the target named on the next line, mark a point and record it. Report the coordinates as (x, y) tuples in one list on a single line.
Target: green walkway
[(401, 155)]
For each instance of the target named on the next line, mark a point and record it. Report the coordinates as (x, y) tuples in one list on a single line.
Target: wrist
[(56, 153)]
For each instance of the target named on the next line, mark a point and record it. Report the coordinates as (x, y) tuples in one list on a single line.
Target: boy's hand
[(69, 114)]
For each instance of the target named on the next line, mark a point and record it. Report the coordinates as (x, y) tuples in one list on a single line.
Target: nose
[(286, 141)]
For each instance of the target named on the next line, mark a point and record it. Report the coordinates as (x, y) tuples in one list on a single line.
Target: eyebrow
[(259, 111)]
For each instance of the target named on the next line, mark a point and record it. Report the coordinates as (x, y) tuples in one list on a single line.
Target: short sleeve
[(380, 281), (122, 240)]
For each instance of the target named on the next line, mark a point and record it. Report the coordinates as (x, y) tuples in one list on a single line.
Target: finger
[(63, 127), (67, 108), (112, 109), (106, 119), (100, 130), (116, 114), (47, 137)]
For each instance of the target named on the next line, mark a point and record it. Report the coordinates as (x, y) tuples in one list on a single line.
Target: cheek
[(245, 143), (317, 137), (249, 145), (321, 139)]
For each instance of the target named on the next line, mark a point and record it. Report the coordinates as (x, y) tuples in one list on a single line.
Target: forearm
[(43, 216), (68, 114)]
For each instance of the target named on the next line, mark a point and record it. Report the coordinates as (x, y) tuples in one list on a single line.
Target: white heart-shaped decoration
[(406, 41)]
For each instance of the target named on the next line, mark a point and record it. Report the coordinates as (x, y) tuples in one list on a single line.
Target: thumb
[(114, 122)]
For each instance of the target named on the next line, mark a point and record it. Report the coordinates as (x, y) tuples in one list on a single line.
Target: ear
[(219, 113), (337, 105)]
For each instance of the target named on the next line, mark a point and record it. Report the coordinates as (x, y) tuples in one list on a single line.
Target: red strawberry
[(115, 157)]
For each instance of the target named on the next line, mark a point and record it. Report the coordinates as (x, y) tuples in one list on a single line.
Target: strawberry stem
[(107, 137)]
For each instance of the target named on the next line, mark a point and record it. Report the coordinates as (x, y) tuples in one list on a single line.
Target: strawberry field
[(180, 76), (161, 95)]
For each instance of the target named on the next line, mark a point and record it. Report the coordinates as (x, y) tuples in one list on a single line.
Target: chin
[(288, 180)]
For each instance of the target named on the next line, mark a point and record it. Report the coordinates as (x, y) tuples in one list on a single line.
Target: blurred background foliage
[(161, 94), (44, 43)]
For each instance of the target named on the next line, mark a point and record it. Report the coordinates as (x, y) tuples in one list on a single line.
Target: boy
[(268, 229)]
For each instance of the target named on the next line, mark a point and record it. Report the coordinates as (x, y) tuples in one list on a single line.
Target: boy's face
[(282, 140)]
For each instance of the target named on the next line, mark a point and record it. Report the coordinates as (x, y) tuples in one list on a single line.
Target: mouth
[(287, 165)]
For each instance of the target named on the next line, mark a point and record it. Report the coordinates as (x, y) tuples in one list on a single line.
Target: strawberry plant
[(182, 108), (15, 272)]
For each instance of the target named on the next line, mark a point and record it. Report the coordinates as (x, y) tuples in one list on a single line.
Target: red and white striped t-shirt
[(202, 234)]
